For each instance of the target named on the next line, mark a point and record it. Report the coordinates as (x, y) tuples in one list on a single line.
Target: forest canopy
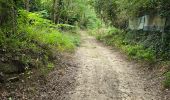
[(119, 11)]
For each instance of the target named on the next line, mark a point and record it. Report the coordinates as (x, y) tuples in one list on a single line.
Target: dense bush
[(66, 27), (118, 12), (75, 12), (35, 44), (140, 45), (167, 80)]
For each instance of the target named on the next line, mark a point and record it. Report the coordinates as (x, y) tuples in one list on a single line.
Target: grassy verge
[(117, 38)]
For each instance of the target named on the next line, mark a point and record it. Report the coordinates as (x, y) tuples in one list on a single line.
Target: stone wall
[(148, 23)]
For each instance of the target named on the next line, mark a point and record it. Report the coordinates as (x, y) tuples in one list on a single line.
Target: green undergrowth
[(167, 80), (118, 38), (35, 44)]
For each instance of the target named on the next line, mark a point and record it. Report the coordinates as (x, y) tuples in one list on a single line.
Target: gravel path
[(104, 74)]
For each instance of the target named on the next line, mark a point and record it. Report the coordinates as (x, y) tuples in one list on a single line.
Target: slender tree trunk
[(54, 10), (59, 10), (69, 2), (27, 5)]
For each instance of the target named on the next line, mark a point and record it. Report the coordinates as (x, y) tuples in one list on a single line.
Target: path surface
[(104, 74)]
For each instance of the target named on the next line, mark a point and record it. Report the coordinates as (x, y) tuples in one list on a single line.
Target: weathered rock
[(13, 79)]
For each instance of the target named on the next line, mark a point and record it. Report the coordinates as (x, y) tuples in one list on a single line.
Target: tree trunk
[(54, 10), (27, 5)]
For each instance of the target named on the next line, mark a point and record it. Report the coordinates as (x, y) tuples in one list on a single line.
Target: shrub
[(36, 42), (167, 80), (124, 41), (66, 27)]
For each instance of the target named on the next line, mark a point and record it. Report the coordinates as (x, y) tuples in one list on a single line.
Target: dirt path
[(104, 74)]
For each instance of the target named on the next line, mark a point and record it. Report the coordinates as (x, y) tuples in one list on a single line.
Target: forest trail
[(104, 74)]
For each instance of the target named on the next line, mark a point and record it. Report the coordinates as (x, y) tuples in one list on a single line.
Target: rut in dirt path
[(103, 74)]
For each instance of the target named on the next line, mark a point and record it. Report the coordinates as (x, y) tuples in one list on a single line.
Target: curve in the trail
[(104, 74)]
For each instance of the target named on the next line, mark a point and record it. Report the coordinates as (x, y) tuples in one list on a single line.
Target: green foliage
[(118, 38), (75, 12), (44, 14), (139, 52), (66, 27), (117, 12), (45, 32), (106, 10), (36, 42), (167, 80), (74, 38), (91, 21), (142, 45)]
